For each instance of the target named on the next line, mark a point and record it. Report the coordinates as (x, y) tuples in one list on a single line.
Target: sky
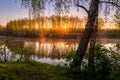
[(11, 10)]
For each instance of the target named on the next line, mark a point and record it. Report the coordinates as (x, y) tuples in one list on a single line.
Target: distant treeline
[(53, 27), (43, 26)]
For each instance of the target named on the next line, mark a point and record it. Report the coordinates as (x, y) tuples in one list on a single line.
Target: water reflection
[(47, 51), (52, 51)]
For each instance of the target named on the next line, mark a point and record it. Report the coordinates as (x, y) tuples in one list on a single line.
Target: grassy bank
[(31, 70)]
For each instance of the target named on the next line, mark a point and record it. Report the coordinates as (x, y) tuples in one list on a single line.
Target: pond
[(51, 51)]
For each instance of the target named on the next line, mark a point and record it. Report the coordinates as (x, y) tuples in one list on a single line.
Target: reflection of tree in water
[(52, 49), (17, 48), (5, 53), (23, 50)]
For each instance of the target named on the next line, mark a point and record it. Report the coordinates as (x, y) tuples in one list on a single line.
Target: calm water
[(51, 51)]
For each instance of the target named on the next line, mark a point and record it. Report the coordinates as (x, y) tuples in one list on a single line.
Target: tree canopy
[(117, 19), (37, 7)]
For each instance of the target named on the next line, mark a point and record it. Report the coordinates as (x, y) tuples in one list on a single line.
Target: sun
[(36, 26), (64, 27)]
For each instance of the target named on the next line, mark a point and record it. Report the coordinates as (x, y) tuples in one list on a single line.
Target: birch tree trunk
[(89, 28), (92, 46)]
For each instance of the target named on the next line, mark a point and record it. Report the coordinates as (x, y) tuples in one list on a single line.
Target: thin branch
[(115, 4), (82, 8)]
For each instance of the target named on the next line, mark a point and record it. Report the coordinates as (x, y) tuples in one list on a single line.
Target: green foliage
[(116, 71), (106, 61), (21, 28), (24, 53), (37, 7), (117, 19), (31, 70), (107, 64), (115, 75), (100, 23), (70, 56), (102, 62), (73, 59), (2, 29)]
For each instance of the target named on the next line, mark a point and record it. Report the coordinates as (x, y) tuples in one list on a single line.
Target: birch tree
[(92, 8)]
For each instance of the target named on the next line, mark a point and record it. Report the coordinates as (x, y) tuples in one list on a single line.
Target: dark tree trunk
[(93, 13), (92, 47)]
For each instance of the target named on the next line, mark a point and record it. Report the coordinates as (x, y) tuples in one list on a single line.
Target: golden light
[(64, 27), (36, 26), (109, 26)]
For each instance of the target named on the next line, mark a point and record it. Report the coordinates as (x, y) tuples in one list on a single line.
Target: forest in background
[(52, 27)]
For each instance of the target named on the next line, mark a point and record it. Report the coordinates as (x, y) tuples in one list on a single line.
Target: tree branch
[(115, 4), (82, 8)]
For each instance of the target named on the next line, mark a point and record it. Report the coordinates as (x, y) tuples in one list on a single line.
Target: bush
[(107, 64)]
